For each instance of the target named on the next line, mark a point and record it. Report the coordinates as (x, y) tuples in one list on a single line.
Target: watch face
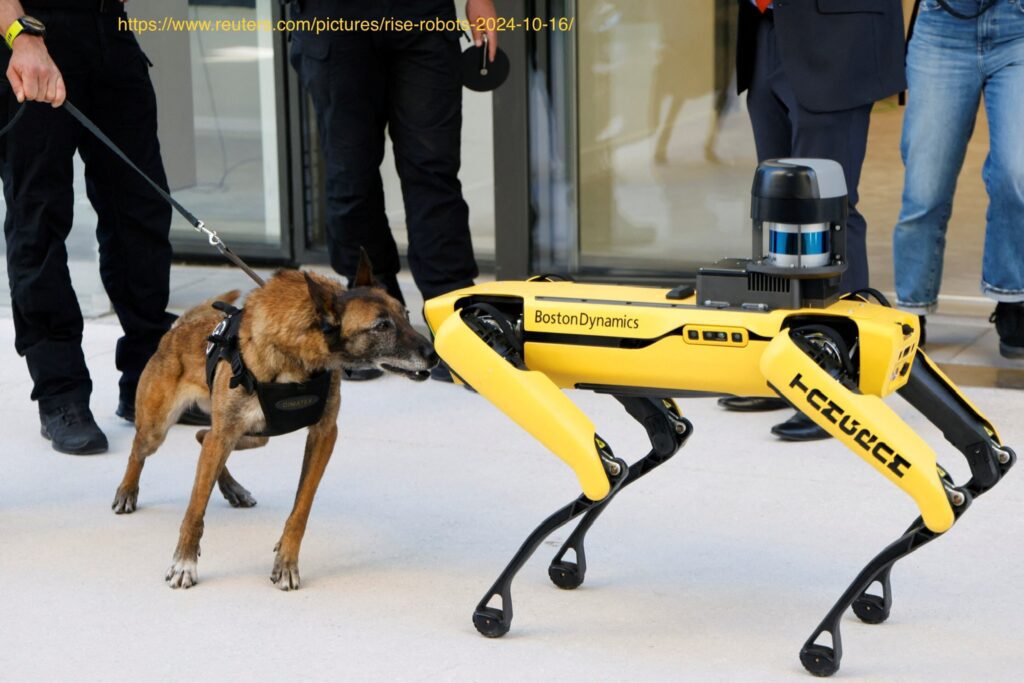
[(33, 25)]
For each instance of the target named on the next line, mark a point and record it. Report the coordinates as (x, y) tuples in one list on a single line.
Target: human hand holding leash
[(32, 74), (478, 12)]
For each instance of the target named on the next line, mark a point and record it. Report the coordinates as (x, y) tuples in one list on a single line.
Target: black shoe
[(799, 428), (361, 375), (752, 404), (1009, 320), (192, 416), (72, 430), (924, 337)]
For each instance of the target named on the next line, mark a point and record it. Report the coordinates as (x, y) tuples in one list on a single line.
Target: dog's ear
[(364, 272), (318, 294)]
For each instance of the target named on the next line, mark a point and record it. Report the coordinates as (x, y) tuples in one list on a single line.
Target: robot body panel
[(580, 334)]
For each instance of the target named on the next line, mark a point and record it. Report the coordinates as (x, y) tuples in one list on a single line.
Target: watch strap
[(13, 32)]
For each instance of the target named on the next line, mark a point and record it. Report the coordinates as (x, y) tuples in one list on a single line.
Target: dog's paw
[(182, 574), (286, 574), (238, 496), (125, 501)]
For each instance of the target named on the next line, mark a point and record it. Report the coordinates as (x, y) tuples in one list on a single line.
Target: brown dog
[(293, 329)]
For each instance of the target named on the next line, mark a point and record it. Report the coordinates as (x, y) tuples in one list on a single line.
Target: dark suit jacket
[(837, 54)]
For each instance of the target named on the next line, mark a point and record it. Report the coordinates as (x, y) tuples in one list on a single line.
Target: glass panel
[(552, 126), (218, 123), (665, 148)]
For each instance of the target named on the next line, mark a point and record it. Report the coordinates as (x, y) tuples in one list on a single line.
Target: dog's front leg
[(216, 447), (319, 446)]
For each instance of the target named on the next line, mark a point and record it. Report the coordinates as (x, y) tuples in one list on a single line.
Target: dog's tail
[(206, 310)]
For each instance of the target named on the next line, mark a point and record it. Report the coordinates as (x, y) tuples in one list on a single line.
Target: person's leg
[(942, 103), (769, 119), (1002, 277), (769, 115), (38, 176), (1003, 266), (38, 187), (841, 136), (133, 222), (346, 76), (425, 123)]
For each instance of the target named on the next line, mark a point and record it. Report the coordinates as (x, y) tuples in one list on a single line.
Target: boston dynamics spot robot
[(771, 324)]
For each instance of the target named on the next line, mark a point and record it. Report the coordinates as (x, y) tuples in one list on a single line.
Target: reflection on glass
[(234, 188), (665, 150)]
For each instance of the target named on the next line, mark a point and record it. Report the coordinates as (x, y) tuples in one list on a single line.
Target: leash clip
[(215, 240)]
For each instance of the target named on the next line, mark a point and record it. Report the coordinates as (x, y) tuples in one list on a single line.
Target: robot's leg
[(963, 425), (938, 399), (494, 622), (793, 366), (668, 432), (479, 345), (823, 659)]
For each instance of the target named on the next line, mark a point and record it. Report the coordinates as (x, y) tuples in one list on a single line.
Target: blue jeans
[(951, 62)]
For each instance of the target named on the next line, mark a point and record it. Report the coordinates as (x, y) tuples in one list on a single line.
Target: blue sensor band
[(813, 243)]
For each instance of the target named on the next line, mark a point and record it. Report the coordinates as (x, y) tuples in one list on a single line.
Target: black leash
[(199, 226), (10, 124)]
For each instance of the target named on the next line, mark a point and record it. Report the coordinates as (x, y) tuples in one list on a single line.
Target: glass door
[(664, 145), (218, 87)]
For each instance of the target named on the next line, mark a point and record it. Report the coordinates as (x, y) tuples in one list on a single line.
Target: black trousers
[(410, 84), (783, 128), (107, 77)]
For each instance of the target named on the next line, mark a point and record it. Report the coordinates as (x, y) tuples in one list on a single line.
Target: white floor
[(715, 567)]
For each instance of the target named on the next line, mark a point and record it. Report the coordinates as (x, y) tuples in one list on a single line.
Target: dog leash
[(200, 227)]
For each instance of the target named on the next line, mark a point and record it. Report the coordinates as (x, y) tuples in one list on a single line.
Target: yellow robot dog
[(772, 324)]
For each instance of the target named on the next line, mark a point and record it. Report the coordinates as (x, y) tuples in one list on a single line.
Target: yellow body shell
[(612, 337)]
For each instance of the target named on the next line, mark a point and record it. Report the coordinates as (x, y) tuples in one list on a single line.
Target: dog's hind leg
[(155, 413), (236, 494), (319, 446)]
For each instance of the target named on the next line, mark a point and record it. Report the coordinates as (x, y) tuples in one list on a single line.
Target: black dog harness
[(287, 406)]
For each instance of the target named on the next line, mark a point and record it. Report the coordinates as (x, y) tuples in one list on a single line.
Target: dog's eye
[(383, 325)]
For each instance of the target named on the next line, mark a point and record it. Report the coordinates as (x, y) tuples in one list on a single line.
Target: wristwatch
[(28, 25)]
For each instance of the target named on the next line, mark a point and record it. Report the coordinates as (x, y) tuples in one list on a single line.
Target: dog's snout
[(429, 355)]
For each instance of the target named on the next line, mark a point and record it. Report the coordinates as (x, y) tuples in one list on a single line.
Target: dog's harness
[(287, 406)]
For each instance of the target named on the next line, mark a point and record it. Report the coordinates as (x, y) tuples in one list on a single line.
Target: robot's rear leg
[(668, 432), (965, 428), (823, 659)]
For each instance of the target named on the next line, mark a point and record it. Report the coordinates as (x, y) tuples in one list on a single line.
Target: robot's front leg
[(806, 367), (478, 343), (668, 432)]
